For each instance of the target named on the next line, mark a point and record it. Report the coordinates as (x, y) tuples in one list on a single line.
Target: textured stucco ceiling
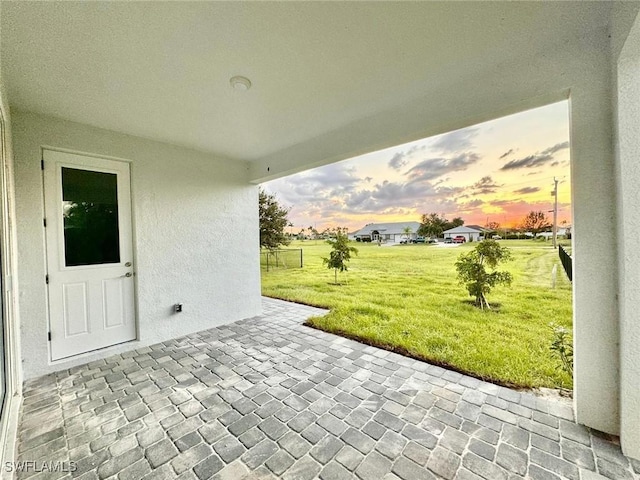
[(161, 70)]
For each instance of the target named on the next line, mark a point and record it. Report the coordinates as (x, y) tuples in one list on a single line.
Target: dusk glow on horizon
[(497, 171)]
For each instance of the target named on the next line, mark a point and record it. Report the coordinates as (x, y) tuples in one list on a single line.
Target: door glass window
[(90, 210)]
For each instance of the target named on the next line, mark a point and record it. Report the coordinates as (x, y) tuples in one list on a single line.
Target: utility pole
[(555, 213)]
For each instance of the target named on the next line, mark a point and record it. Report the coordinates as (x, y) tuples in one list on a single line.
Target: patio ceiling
[(162, 70)]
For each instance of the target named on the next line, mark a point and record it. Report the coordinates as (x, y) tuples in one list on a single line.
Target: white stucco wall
[(628, 181), (195, 235)]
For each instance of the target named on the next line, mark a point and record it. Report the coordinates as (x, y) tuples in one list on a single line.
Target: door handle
[(128, 274), (128, 264)]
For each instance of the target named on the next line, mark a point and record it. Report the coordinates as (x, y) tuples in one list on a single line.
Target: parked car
[(448, 240), (432, 240), (496, 237), (459, 239), (418, 240)]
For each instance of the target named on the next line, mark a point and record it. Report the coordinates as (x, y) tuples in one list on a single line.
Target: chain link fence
[(280, 259)]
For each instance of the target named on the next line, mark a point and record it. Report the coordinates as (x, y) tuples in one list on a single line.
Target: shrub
[(562, 347)]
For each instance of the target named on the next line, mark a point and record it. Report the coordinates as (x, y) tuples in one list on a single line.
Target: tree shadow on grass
[(495, 307)]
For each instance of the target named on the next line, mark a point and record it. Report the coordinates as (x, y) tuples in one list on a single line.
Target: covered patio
[(153, 349), (268, 397)]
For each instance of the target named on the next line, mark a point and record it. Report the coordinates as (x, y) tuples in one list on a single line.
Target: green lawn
[(407, 298)]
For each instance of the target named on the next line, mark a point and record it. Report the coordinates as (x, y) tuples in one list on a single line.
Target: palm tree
[(407, 232)]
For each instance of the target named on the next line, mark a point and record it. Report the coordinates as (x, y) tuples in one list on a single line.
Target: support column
[(595, 311), (628, 167)]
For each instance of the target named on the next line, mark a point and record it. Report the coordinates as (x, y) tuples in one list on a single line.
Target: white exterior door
[(89, 253)]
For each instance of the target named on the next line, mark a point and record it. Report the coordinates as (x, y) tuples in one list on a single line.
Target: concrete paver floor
[(269, 398)]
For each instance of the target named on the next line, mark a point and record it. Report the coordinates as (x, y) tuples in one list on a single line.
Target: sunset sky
[(496, 171)]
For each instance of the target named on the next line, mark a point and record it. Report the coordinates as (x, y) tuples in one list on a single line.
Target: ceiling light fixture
[(240, 83)]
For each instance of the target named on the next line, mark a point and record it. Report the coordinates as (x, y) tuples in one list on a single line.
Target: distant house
[(561, 232), (387, 232), (471, 233)]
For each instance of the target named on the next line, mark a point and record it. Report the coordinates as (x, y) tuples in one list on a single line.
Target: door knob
[(128, 264), (128, 274)]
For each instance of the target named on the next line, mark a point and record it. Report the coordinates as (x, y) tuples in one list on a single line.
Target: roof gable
[(463, 229)]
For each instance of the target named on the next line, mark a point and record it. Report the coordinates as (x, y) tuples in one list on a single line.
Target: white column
[(628, 165), (596, 353)]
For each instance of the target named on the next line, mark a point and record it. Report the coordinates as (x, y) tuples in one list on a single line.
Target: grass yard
[(407, 298)]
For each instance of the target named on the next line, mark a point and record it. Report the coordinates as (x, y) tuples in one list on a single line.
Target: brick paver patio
[(269, 398)]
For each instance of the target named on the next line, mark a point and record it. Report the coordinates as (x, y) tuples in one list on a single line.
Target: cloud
[(419, 193), (401, 159), (316, 186), (472, 204), (385, 195), (501, 203), (506, 154), (332, 175), (334, 191), (450, 191), (457, 141), (556, 148), (536, 160), (433, 168), (389, 196), (398, 161), (526, 190), (484, 186), (441, 181), (530, 161)]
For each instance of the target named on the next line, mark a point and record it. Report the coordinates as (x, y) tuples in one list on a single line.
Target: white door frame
[(9, 318), (94, 283)]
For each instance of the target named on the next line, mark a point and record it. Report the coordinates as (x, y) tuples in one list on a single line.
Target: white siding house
[(470, 234), (141, 95), (387, 232)]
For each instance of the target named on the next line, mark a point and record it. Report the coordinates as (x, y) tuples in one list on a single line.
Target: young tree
[(273, 221), (535, 222), (340, 254), (473, 274)]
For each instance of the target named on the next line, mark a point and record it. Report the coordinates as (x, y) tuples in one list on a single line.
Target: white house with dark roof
[(387, 232), (470, 233)]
